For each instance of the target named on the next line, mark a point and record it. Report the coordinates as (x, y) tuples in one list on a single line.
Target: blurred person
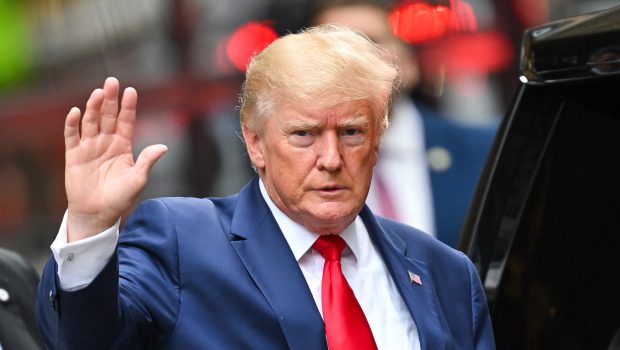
[(18, 287), (294, 260), (23, 200), (429, 164)]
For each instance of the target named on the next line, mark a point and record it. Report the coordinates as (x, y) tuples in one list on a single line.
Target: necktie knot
[(330, 247)]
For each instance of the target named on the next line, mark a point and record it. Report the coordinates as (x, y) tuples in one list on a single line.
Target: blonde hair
[(318, 67)]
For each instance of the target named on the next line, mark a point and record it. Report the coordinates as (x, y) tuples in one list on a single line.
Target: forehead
[(352, 112)]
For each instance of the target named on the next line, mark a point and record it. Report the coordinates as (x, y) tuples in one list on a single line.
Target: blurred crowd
[(186, 58)]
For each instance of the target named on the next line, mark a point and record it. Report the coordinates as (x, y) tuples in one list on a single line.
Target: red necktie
[(346, 326)]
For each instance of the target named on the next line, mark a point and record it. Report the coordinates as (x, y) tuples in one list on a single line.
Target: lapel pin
[(413, 278)]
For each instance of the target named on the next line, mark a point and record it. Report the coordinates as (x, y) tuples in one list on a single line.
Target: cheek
[(364, 159), (360, 171), (290, 167), (290, 162)]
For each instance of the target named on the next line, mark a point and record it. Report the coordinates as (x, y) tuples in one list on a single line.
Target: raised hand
[(101, 178)]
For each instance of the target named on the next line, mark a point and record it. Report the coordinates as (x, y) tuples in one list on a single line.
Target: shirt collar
[(300, 239)]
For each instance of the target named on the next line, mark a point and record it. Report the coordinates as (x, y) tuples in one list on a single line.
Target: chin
[(331, 219)]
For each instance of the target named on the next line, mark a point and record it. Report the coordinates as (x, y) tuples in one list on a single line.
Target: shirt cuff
[(79, 262)]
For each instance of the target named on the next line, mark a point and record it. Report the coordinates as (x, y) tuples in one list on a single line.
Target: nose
[(329, 156)]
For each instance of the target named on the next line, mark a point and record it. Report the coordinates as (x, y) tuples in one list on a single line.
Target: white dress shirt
[(389, 319), (79, 262)]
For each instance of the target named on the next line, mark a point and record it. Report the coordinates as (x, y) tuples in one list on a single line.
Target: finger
[(147, 159), (90, 121), (72, 128), (127, 115), (109, 108)]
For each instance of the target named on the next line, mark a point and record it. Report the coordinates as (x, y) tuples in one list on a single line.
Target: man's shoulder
[(185, 205), (424, 245), (10, 257), (17, 275), (221, 209), (11, 261)]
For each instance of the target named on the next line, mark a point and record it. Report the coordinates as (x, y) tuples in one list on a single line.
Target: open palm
[(101, 178)]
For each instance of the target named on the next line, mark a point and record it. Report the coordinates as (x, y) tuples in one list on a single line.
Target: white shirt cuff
[(81, 261)]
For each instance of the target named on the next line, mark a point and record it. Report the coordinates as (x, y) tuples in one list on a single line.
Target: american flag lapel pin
[(413, 278)]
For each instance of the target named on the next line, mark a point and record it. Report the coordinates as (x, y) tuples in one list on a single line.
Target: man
[(429, 164), (18, 286), (260, 269)]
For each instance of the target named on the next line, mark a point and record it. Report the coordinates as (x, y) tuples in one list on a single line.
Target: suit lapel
[(268, 259), (420, 299)]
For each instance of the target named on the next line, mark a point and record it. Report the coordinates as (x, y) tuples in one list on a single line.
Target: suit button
[(52, 299), (4, 295), (439, 159)]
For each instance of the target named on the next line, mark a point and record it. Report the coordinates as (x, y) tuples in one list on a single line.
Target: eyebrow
[(301, 124), (360, 120)]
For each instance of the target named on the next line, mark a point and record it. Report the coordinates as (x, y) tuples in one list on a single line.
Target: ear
[(254, 146), (376, 145), (376, 156)]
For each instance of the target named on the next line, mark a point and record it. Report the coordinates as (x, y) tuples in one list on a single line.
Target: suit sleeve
[(481, 321), (132, 303)]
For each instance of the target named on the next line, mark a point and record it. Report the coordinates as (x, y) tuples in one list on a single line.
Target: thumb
[(147, 159)]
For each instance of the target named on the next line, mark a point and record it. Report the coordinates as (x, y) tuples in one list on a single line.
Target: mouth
[(331, 188)]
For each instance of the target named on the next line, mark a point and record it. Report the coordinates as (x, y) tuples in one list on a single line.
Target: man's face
[(317, 164)]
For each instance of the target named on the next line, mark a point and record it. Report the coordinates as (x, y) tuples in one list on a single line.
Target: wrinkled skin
[(317, 164)]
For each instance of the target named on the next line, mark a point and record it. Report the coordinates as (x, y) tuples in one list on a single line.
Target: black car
[(544, 226)]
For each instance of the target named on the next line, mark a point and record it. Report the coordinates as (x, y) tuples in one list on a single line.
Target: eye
[(351, 132), (301, 138), (353, 136)]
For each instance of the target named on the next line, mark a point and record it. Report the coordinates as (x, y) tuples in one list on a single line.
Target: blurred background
[(186, 59)]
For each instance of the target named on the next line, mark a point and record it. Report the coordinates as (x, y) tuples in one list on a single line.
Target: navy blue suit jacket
[(218, 274)]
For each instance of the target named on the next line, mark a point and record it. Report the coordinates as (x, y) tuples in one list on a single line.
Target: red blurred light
[(477, 53), (223, 64), (248, 40), (531, 12), (464, 18), (417, 21)]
